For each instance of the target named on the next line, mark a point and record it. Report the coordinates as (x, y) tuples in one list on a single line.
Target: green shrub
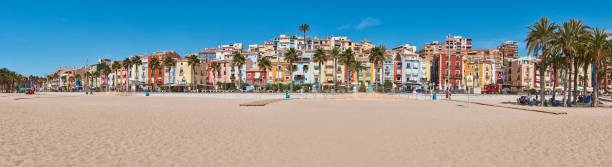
[(362, 88)]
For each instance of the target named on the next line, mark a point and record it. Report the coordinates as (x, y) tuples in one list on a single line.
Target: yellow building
[(328, 73), (425, 71), (366, 75), (184, 73), (279, 73), (481, 70)]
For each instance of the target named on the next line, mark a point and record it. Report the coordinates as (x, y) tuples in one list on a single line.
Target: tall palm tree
[(116, 66), (193, 61), (237, 61), (557, 61), (265, 65), (538, 41), (568, 39), (584, 60), (320, 57), (169, 62), (291, 57), (347, 58), (377, 56), (216, 69), (127, 63), (303, 28), (87, 79), (357, 67), (599, 48), (105, 71), (136, 62), (95, 76), (55, 77), (334, 54), (154, 64)]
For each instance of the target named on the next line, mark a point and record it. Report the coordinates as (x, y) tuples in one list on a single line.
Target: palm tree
[(303, 28), (568, 39), (115, 67), (55, 77), (95, 76), (216, 69), (238, 61), (320, 57), (334, 54), (265, 65), (153, 65), (557, 61), (105, 71), (193, 61), (87, 79), (599, 48), (377, 56), (584, 59), (538, 41), (291, 57), (127, 63), (357, 66), (169, 62), (347, 58), (136, 61)]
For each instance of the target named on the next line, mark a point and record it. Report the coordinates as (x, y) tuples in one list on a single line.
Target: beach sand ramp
[(261, 102)]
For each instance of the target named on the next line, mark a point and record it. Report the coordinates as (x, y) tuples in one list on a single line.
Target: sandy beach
[(348, 130)]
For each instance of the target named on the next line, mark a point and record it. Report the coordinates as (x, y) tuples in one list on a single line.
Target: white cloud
[(368, 22), (344, 27), (365, 23)]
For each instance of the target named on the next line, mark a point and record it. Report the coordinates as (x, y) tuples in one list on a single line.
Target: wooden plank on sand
[(261, 102)]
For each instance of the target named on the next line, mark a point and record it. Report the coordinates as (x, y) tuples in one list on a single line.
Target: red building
[(448, 72), (397, 70), (255, 77)]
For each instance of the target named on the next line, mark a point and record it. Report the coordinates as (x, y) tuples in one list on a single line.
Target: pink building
[(223, 74)]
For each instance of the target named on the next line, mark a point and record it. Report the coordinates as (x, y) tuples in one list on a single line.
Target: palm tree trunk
[(595, 84), (565, 93), (321, 78), (586, 70), (334, 78), (206, 77), (264, 81), (556, 81), (240, 79), (291, 76), (575, 86), (542, 86), (192, 78)]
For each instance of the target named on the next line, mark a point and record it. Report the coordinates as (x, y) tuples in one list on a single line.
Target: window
[(248, 74)]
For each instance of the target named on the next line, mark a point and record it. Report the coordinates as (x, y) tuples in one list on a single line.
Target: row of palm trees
[(10, 80), (566, 47)]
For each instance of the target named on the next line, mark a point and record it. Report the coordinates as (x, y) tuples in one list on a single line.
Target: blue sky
[(37, 37)]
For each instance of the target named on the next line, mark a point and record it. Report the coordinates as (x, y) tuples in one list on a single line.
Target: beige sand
[(189, 131)]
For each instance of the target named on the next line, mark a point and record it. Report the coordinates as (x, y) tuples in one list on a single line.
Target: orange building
[(157, 76)]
